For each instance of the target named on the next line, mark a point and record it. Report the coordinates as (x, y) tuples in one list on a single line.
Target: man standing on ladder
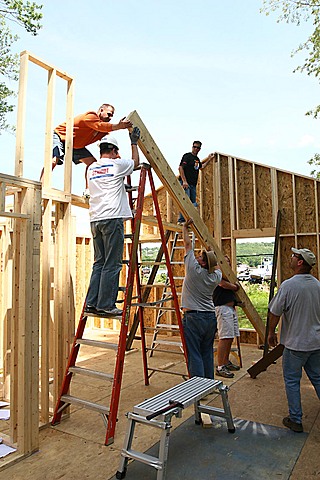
[(202, 275), (108, 209), (189, 168)]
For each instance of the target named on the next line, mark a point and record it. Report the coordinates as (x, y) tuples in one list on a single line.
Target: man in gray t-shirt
[(298, 303), (202, 275)]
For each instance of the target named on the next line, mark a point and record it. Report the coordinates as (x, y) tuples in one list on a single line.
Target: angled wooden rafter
[(165, 174)]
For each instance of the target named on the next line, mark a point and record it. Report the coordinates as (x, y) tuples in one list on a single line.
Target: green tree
[(297, 11), (27, 15)]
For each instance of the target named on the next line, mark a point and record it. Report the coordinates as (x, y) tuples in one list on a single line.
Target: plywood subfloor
[(75, 449)]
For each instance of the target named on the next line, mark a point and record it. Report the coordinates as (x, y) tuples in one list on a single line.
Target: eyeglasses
[(297, 256), (195, 146)]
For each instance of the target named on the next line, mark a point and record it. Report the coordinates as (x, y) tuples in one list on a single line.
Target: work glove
[(134, 135)]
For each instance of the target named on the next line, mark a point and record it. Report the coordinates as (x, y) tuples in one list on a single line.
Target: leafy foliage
[(27, 15), (252, 253), (296, 11)]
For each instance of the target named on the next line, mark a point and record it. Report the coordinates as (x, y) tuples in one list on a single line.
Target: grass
[(259, 296)]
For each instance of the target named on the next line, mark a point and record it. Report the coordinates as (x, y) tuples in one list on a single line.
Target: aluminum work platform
[(158, 411)]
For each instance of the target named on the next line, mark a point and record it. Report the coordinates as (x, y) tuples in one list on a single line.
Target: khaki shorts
[(227, 319)]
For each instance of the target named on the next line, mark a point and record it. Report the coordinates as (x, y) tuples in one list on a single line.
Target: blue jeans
[(108, 240), (199, 330), (292, 364), (191, 192)]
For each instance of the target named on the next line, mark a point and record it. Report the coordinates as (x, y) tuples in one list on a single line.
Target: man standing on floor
[(225, 300), (108, 208), (298, 301), (189, 172), (202, 275)]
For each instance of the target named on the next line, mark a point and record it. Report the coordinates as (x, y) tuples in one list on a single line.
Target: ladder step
[(84, 403), (168, 342), (91, 373), (179, 352), (97, 343), (143, 457), (166, 371), (163, 326)]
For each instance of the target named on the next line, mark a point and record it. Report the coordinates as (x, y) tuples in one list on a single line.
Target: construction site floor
[(75, 448)]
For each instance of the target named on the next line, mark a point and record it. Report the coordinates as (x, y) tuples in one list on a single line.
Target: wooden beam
[(169, 180), (254, 232)]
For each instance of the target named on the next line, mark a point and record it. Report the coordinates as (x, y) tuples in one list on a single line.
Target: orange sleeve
[(92, 121)]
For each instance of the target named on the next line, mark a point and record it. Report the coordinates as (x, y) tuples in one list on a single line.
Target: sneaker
[(232, 366), (224, 372), (90, 309), (112, 312), (295, 427)]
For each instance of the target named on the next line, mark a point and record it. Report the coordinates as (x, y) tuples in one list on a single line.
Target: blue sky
[(217, 71)]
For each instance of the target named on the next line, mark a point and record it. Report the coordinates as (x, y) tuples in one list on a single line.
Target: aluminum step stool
[(166, 405)]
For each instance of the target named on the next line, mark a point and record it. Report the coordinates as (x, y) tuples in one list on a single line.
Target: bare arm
[(122, 125), (135, 155), (185, 235), (209, 159), (229, 286), (273, 322), (183, 177)]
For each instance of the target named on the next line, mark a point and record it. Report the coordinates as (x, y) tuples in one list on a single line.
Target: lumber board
[(266, 361), (164, 172)]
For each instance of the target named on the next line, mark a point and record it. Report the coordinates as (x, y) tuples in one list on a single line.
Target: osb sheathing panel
[(207, 195), (225, 196), (285, 202), (305, 205), (245, 194), (263, 197), (309, 241), (284, 254), (226, 247)]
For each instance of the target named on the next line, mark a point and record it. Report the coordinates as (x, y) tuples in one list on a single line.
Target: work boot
[(295, 427)]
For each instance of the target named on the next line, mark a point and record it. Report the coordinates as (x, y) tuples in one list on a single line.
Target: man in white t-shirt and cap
[(108, 209), (298, 302)]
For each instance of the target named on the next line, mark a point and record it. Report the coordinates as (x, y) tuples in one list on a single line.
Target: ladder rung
[(163, 326), (143, 458), (164, 351), (84, 403), (97, 343), (178, 278), (91, 373), (167, 371), (168, 342)]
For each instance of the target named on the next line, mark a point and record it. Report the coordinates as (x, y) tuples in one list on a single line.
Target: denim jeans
[(292, 364), (108, 240), (191, 192), (199, 330)]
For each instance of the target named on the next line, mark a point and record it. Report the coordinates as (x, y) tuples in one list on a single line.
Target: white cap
[(108, 139), (306, 254)]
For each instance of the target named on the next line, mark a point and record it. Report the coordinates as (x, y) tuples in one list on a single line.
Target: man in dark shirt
[(189, 172), (225, 300)]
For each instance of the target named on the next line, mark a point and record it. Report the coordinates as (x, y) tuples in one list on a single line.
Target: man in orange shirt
[(88, 128)]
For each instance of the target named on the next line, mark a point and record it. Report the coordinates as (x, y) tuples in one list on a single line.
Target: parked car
[(244, 276)]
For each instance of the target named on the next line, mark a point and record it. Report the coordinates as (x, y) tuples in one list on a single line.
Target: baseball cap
[(306, 254), (110, 140), (211, 260)]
